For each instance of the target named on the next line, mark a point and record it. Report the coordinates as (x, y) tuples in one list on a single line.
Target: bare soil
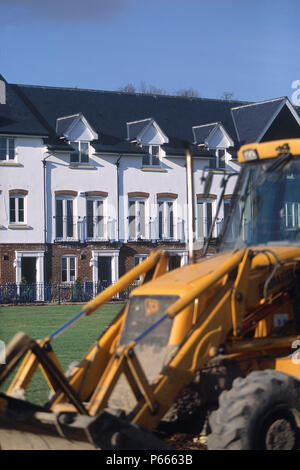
[(182, 441)]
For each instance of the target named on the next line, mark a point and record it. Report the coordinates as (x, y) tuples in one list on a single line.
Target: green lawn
[(40, 321)]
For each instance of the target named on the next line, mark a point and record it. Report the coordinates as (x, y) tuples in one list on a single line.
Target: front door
[(28, 270), (174, 262), (104, 271), (28, 279)]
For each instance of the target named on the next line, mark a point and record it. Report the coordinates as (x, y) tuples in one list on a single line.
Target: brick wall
[(7, 258), (83, 257), (83, 253), (128, 251)]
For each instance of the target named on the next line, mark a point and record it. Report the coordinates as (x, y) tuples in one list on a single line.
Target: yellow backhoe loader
[(217, 338)]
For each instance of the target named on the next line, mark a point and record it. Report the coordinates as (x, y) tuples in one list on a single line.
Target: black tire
[(260, 412)]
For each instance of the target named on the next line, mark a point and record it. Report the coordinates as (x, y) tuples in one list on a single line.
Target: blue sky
[(247, 47)]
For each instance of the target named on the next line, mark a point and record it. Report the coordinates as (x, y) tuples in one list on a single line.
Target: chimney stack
[(2, 91)]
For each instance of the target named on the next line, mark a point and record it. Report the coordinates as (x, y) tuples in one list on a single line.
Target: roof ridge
[(206, 125), (139, 120), (119, 92), (69, 116), (261, 102)]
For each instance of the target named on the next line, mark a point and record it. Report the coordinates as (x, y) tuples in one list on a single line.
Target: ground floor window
[(138, 259), (68, 269)]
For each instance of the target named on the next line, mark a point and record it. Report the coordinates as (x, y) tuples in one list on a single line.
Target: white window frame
[(138, 259), (96, 199), (201, 234), (68, 269), (17, 198), (80, 153), (166, 235), (7, 157), (150, 155), (217, 158), (138, 235), (65, 218), (292, 215)]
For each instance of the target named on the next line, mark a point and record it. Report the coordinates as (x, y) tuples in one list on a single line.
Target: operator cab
[(266, 205)]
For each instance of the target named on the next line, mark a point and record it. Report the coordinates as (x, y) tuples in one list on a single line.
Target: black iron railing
[(15, 294)]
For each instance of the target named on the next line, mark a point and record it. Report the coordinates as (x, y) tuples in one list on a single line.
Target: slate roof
[(34, 110), (251, 120), (64, 123), (108, 112), (201, 133), (5, 112), (136, 127), (16, 117)]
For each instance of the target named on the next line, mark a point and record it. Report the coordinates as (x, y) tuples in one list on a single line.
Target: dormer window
[(218, 160), (216, 139), (7, 148), (152, 157), (147, 134), (81, 152)]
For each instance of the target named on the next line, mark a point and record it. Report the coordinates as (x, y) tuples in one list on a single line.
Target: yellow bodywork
[(220, 301), (215, 297), (271, 149)]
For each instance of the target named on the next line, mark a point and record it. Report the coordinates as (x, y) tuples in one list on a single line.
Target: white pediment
[(80, 132), (219, 139), (146, 132), (77, 128), (152, 135)]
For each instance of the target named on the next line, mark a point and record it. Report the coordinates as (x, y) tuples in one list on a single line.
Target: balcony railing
[(85, 228), (97, 228), (172, 233), (66, 227), (105, 228)]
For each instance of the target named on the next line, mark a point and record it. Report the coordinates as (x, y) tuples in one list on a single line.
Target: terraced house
[(92, 181)]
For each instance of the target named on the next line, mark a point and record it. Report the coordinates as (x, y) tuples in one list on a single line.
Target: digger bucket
[(25, 426)]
